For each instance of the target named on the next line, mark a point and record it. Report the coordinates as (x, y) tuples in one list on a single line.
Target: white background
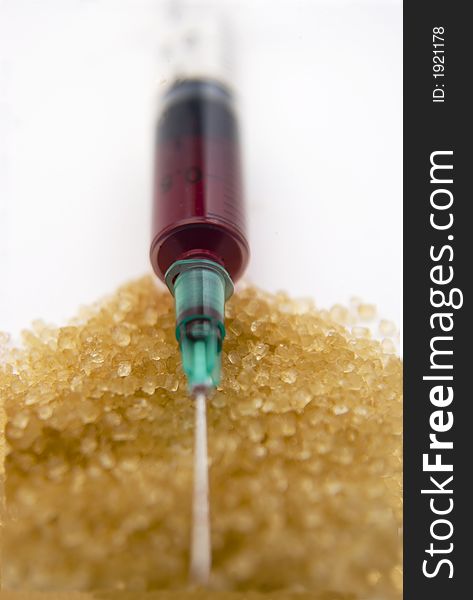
[(320, 86)]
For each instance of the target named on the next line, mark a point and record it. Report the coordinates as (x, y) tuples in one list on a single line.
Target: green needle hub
[(200, 288)]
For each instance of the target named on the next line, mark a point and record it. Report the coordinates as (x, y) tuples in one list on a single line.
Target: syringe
[(199, 247)]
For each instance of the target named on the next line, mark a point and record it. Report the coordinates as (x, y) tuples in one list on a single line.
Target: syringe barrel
[(198, 209)]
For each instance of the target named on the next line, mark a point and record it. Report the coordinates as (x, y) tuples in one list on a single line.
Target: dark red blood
[(198, 208)]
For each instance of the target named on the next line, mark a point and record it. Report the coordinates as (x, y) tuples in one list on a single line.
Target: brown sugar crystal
[(304, 450)]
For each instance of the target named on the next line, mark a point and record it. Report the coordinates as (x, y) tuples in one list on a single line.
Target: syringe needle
[(200, 544)]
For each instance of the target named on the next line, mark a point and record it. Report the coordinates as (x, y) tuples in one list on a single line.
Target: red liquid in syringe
[(198, 209)]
